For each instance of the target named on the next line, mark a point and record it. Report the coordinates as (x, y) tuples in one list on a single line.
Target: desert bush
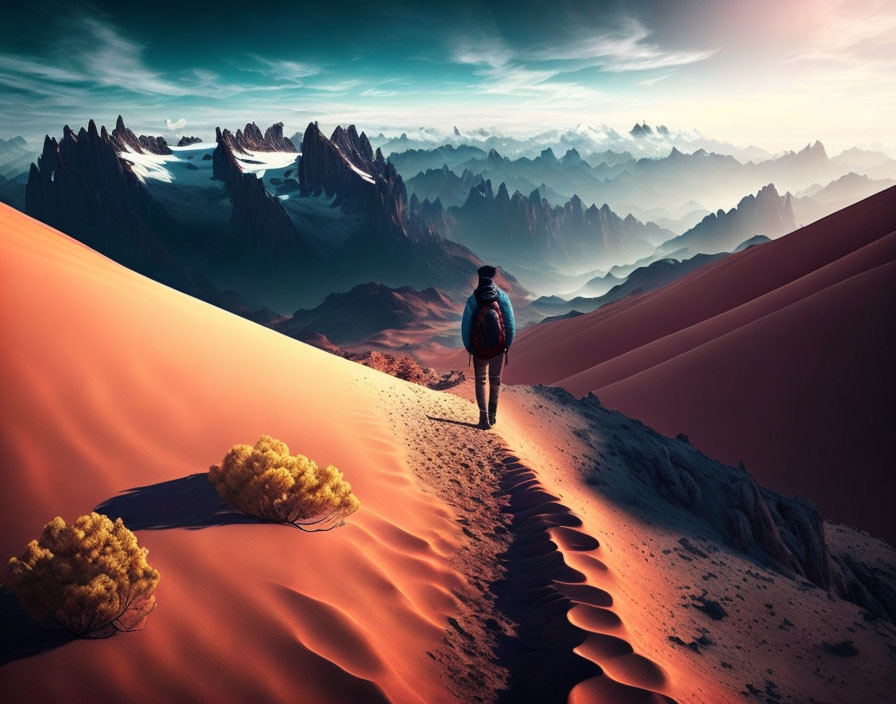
[(265, 481), (90, 577)]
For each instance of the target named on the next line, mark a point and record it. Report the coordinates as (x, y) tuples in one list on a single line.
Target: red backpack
[(487, 337)]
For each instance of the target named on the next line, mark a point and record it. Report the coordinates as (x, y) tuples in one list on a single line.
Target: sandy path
[(539, 600)]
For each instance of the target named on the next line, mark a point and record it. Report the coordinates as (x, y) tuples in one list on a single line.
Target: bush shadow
[(24, 637), (189, 502)]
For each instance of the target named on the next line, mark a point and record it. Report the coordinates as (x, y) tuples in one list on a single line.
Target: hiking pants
[(492, 368)]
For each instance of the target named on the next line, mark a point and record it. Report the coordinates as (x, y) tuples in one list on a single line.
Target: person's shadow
[(189, 502), (453, 422)]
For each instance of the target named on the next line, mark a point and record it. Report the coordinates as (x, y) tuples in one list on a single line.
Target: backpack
[(487, 337)]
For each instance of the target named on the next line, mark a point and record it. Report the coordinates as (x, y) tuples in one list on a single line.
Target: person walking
[(487, 329)]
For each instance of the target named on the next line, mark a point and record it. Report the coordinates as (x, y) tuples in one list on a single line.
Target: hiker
[(487, 329)]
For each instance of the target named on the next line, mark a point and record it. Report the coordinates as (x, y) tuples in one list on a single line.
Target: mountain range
[(250, 215), (641, 140), (521, 230), (679, 183)]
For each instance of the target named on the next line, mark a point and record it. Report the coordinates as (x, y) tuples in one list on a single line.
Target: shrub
[(267, 482), (91, 577)]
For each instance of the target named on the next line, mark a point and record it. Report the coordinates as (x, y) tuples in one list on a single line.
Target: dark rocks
[(785, 533), (251, 138), (711, 608), (187, 141), (325, 170), (154, 145), (125, 140), (843, 649), (356, 148), (273, 138)]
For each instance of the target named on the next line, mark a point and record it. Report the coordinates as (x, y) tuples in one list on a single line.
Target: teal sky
[(774, 74)]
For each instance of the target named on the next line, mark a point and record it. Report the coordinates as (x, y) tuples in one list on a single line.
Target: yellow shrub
[(91, 577), (267, 482)]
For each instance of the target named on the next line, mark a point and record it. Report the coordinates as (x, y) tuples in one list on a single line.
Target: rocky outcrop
[(154, 145), (356, 148), (273, 137), (187, 141), (361, 181), (251, 138), (784, 532), (125, 140), (225, 167), (325, 170)]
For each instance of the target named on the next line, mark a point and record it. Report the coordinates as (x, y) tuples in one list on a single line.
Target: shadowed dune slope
[(780, 355), (113, 382)]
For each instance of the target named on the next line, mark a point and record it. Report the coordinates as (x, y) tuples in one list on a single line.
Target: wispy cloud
[(335, 86), (97, 56), (547, 70), (626, 48), (282, 69), (378, 93), (501, 71)]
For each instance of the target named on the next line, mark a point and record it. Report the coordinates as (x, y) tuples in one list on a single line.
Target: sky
[(777, 74)]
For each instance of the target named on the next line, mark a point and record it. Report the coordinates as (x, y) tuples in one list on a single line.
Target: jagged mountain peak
[(572, 156), (640, 130), (250, 138)]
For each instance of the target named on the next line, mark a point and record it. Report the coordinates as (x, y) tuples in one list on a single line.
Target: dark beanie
[(487, 272)]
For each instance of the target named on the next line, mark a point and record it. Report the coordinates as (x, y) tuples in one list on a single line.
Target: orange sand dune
[(116, 383), (113, 381), (478, 562), (780, 355)]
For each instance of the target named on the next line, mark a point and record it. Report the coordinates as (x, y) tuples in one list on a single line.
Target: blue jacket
[(470, 309)]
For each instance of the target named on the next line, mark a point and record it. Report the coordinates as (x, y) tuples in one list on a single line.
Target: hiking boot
[(483, 421), (493, 414)]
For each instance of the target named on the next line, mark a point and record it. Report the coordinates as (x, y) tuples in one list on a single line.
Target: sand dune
[(115, 382), (480, 567), (778, 355), (120, 392)]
